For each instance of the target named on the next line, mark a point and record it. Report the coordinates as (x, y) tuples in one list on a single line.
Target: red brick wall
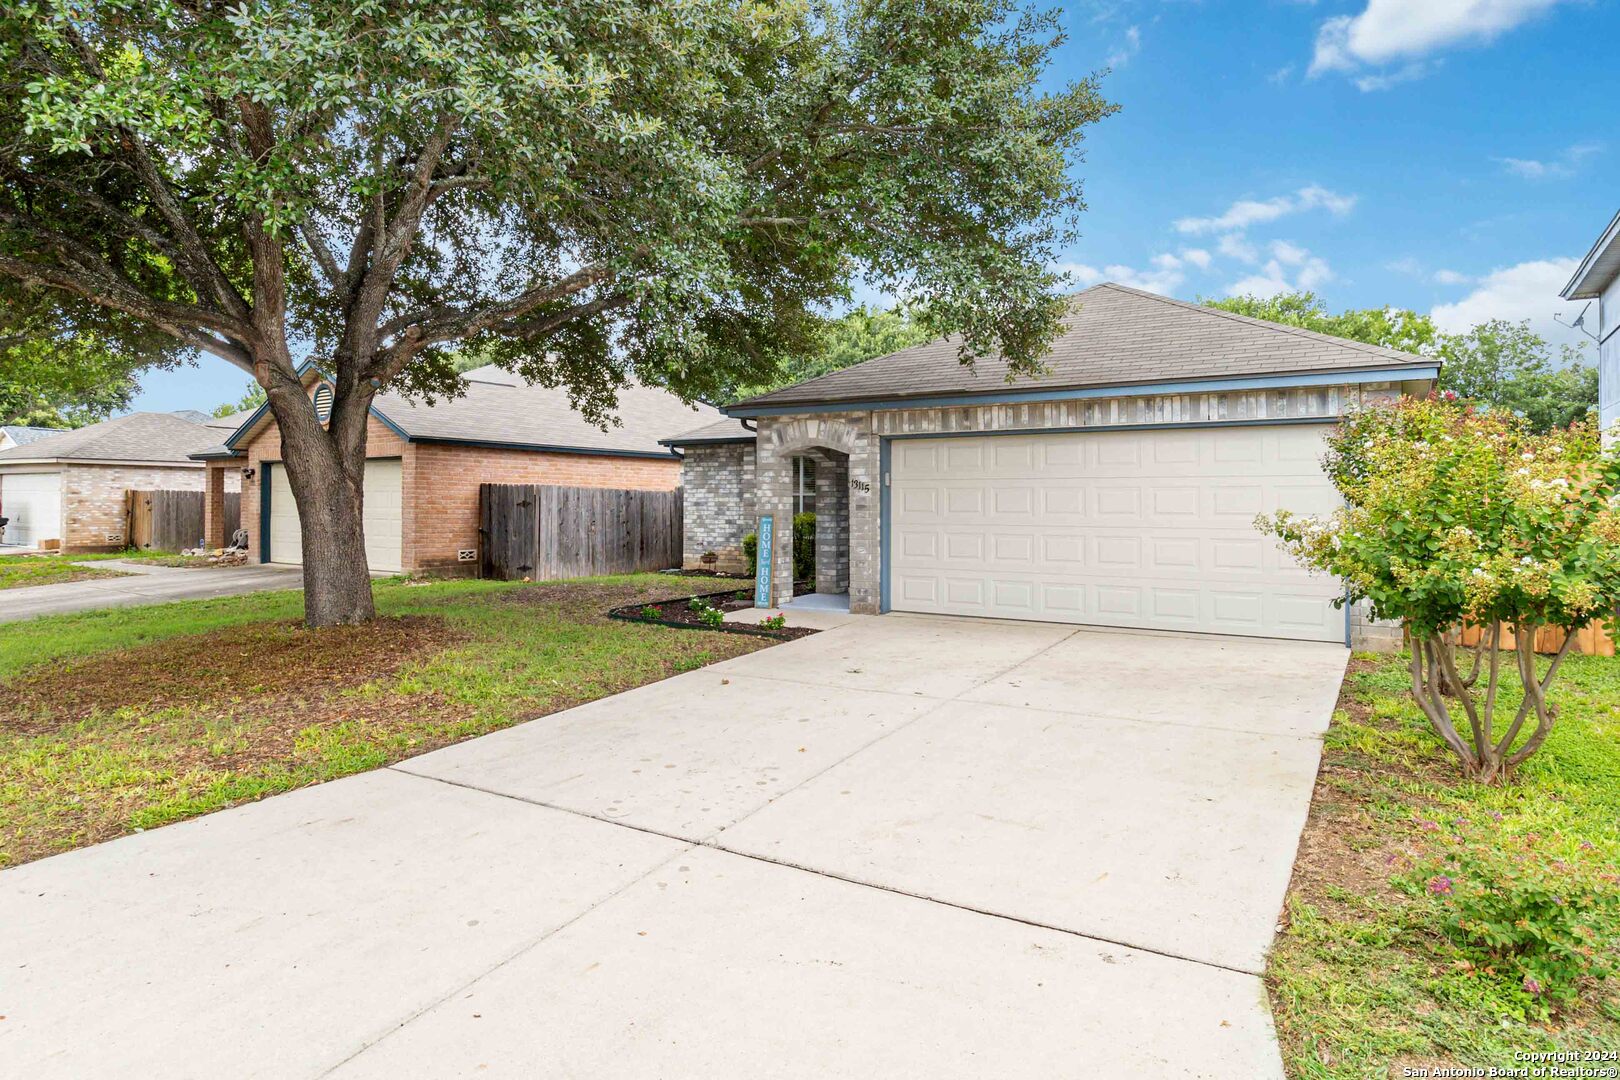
[(441, 490), (440, 486)]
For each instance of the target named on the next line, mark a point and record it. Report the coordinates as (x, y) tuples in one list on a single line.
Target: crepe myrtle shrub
[(589, 193), (1454, 517)]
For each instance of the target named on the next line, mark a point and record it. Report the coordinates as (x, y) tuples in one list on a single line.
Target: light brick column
[(773, 487), (832, 521), (214, 507)]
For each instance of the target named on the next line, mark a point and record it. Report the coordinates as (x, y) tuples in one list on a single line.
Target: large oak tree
[(589, 192)]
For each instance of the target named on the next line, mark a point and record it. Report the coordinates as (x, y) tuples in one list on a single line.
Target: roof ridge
[(1264, 324)]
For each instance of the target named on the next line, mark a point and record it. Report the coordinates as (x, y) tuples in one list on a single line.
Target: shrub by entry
[(1456, 516)]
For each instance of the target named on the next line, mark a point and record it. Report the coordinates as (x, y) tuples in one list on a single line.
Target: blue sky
[(1443, 155)]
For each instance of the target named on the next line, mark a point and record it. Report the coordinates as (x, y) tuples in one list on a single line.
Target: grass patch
[(1364, 981), (133, 718), (21, 571)]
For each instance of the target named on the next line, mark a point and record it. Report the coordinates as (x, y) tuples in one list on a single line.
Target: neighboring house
[(1598, 278), (425, 464), (1118, 489), (67, 489), (21, 434)]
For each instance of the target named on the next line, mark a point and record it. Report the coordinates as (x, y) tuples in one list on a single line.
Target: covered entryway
[(384, 516), (1144, 528), (33, 502)]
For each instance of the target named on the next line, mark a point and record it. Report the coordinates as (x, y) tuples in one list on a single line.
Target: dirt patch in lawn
[(264, 662)]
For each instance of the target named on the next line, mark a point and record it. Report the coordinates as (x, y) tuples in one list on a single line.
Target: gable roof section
[(1113, 337), (1599, 268), (143, 436), (725, 430), (23, 434), (499, 409)]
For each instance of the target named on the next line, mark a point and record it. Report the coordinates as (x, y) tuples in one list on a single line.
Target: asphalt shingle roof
[(1113, 336), (22, 434), (726, 430), (141, 436), (498, 407)]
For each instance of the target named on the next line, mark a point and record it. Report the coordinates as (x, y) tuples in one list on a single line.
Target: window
[(804, 486)]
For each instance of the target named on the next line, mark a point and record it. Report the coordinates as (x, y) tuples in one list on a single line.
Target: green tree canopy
[(1390, 328), (251, 398), (860, 335), (592, 191), (1504, 365)]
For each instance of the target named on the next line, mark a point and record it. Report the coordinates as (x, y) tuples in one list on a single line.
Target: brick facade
[(440, 481), (856, 440), (94, 514), (718, 498), (441, 490)]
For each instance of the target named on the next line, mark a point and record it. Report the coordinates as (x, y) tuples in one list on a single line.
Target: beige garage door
[(384, 517), (1150, 529)]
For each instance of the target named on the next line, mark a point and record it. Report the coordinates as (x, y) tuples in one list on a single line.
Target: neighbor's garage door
[(383, 517), (1150, 529), (33, 502)]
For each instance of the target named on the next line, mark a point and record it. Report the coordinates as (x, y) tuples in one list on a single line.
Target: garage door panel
[(384, 516), (33, 502), (1149, 529)]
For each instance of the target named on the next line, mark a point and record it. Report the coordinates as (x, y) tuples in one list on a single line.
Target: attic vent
[(323, 402)]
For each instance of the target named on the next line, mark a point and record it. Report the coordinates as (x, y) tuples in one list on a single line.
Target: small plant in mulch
[(709, 612)]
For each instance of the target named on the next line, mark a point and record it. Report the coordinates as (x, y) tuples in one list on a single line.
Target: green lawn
[(1363, 981), (136, 717), (20, 571)]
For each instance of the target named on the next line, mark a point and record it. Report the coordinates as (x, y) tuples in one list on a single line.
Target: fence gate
[(544, 531), (173, 520)]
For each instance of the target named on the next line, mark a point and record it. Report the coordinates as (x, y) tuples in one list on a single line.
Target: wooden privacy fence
[(544, 532), (1592, 639), (173, 520)]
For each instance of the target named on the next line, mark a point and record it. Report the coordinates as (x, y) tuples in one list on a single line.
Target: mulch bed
[(261, 662), (678, 612)]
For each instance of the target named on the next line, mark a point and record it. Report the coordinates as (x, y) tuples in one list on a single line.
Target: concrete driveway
[(906, 847), (147, 584)]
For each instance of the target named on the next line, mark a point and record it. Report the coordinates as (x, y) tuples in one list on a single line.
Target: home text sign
[(762, 564)]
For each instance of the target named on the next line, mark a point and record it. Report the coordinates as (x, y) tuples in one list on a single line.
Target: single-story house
[(21, 434), (1598, 278), (68, 488), (425, 463), (1119, 488)]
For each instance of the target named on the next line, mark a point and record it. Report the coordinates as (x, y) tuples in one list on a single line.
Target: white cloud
[(1383, 80), (1126, 49), (1528, 290), (1291, 268), (1562, 167), (1396, 31), (1197, 257), (1165, 278), (1451, 277), (1247, 212), (1280, 76), (1397, 37), (1237, 246)]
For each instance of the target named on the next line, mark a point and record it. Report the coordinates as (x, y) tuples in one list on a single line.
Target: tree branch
[(196, 263)]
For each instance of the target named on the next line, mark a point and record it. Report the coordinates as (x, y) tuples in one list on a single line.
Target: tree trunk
[(326, 470)]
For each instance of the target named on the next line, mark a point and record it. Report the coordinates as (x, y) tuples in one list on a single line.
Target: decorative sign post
[(762, 563)]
